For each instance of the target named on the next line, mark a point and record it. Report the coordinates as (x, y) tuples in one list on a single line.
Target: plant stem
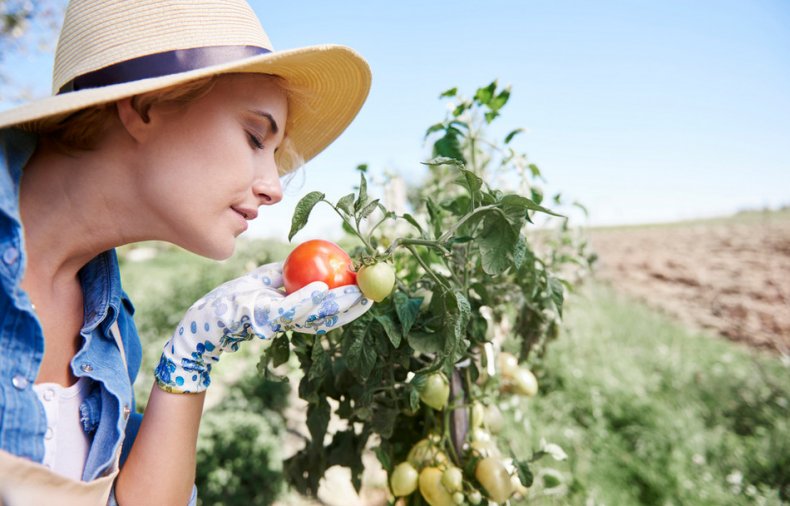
[(425, 267), (370, 248)]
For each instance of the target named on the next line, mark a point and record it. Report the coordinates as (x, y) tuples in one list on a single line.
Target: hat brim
[(335, 79)]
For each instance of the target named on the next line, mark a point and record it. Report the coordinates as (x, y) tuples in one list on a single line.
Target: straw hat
[(112, 49)]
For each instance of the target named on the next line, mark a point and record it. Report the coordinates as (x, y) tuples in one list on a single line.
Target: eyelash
[(255, 141)]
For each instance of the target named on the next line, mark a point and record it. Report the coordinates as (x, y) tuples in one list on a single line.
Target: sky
[(642, 111)]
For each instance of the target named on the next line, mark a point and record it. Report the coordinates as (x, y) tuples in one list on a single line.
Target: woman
[(172, 120)]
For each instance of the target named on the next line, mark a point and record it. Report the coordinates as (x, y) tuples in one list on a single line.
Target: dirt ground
[(731, 275)]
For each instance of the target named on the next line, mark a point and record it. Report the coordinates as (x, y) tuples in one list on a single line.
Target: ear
[(137, 126)]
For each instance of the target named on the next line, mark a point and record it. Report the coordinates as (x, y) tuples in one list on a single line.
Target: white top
[(66, 445)]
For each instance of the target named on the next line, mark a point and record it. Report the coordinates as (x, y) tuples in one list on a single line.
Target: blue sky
[(643, 111)]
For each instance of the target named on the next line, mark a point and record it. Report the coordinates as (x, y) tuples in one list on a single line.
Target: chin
[(215, 250)]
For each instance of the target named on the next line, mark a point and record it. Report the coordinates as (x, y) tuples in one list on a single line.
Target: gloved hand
[(253, 305)]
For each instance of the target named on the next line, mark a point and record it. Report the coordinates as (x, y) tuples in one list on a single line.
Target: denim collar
[(100, 280)]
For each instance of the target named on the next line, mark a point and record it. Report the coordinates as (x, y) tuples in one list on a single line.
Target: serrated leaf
[(443, 160), (346, 204), (407, 310), (509, 137), (456, 317), (280, 350), (369, 208), (362, 198), (497, 242), (302, 212), (519, 204), (321, 362), (389, 328), (359, 352), (318, 415), (471, 181)]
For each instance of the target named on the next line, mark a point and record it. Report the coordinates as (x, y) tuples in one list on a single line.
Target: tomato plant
[(317, 260), (419, 373)]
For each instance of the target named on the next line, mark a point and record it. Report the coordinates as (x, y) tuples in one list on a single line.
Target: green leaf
[(302, 212), (362, 199), (435, 216), (408, 217), (519, 204), (443, 160), (509, 137), (358, 349), (534, 169), (497, 242), (407, 310), (280, 350), (426, 342), (449, 146), (383, 421), (484, 95), (490, 116), (500, 100), (346, 204), (414, 400), (369, 208), (557, 293), (524, 473), (321, 362), (389, 328), (471, 181), (384, 458), (318, 420), (434, 128), (449, 93), (457, 314)]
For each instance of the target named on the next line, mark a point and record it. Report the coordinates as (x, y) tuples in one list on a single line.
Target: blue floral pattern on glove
[(251, 306)]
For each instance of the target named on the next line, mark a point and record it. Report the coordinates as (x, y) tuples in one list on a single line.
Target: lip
[(246, 213)]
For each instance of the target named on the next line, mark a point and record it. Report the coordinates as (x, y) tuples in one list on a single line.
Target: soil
[(731, 276)]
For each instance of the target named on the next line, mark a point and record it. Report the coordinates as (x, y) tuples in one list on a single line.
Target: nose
[(267, 187)]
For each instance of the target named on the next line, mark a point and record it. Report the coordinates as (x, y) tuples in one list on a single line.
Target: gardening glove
[(254, 305)]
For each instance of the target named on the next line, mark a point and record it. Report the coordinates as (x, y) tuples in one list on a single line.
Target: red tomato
[(317, 260)]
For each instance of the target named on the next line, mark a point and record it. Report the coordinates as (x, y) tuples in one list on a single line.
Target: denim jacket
[(108, 412)]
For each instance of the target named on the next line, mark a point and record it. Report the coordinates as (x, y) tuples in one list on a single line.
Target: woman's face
[(208, 167)]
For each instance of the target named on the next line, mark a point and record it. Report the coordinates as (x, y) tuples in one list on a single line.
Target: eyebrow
[(268, 116)]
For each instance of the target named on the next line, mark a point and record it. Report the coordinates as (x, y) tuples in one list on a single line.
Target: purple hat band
[(161, 64)]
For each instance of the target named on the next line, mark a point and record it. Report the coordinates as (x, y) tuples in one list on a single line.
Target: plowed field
[(729, 275)]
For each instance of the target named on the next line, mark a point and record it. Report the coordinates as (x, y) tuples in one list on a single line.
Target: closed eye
[(255, 141)]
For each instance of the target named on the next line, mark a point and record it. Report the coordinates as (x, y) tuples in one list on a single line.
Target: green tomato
[(453, 479), (525, 383), (477, 414), (493, 419), (458, 498), (376, 281), (432, 489), (425, 453), (404, 479), (508, 364), (436, 391), (475, 497), (494, 478)]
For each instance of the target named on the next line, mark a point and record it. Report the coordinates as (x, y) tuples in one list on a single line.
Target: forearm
[(161, 465)]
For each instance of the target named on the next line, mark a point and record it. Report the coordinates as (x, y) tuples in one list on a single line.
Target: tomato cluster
[(428, 468)]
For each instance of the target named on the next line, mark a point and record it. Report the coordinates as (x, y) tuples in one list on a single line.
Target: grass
[(652, 413), (746, 217)]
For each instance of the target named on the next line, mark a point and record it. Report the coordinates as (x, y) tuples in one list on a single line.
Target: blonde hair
[(82, 130)]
